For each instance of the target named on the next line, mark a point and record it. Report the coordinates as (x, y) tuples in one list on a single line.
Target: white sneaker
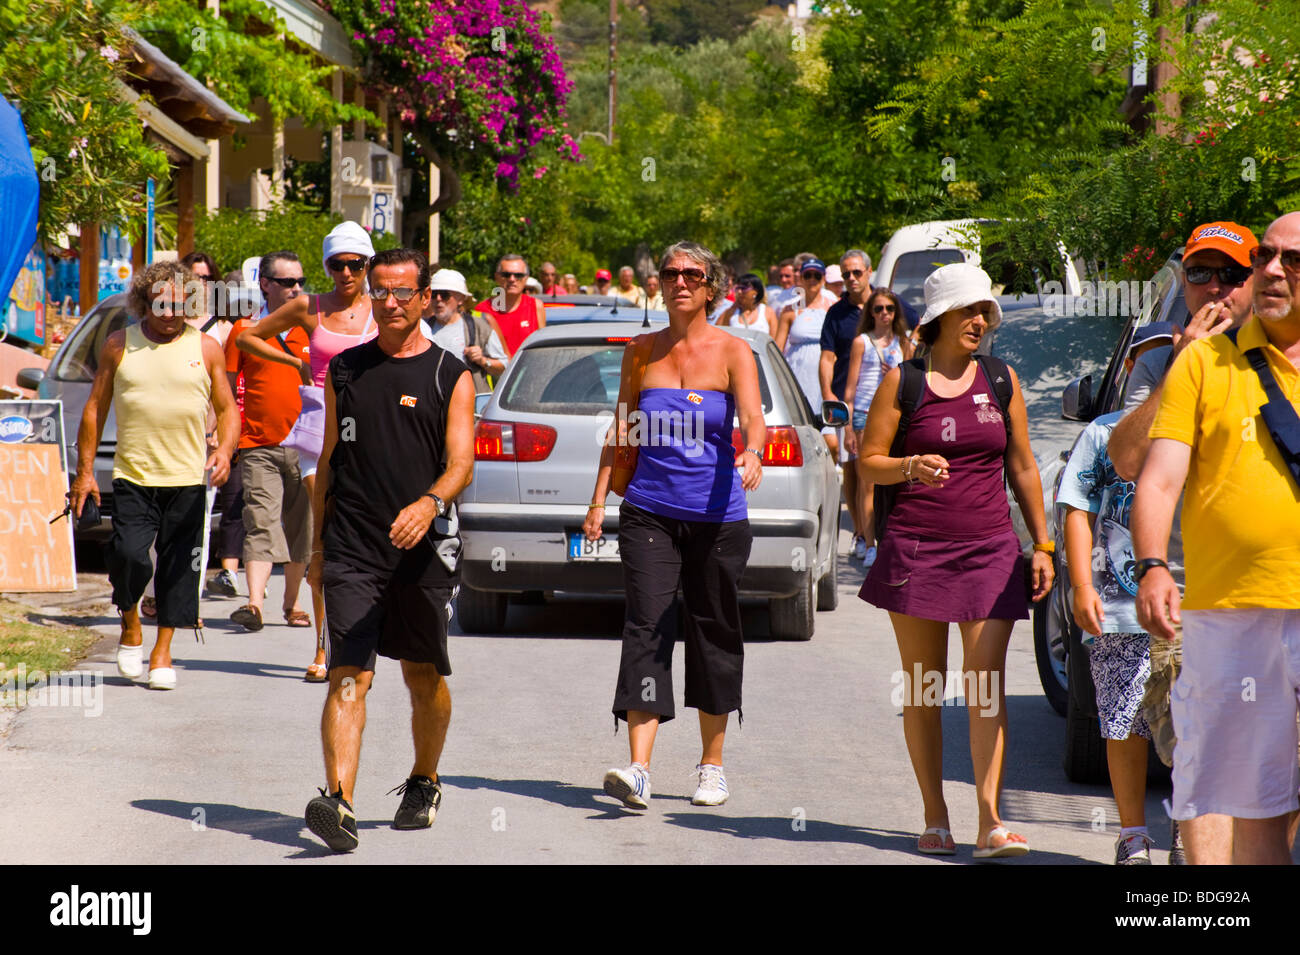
[(859, 547), (713, 786), (631, 785), (869, 557), (130, 661)]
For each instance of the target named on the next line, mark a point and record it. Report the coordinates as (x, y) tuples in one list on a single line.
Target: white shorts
[(307, 464), (1234, 710)]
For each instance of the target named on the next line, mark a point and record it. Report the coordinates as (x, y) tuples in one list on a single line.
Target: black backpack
[(911, 386)]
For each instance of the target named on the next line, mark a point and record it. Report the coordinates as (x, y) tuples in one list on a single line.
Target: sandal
[(148, 608), (1008, 848), (296, 618), (248, 617), (946, 846), (316, 673)]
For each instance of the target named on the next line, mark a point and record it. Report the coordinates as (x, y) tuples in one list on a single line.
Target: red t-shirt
[(518, 323), (271, 401)]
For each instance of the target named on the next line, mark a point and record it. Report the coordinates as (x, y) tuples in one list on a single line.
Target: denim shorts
[(859, 419)]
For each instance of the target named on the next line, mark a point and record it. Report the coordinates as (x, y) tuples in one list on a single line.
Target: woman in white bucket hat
[(948, 553)]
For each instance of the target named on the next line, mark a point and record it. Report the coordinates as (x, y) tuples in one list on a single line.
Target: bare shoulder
[(212, 350)]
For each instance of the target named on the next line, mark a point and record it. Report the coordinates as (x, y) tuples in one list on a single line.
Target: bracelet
[(1048, 548), (592, 507), (756, 453)]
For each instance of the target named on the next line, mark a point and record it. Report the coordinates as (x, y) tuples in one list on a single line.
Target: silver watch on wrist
[(438, 502)]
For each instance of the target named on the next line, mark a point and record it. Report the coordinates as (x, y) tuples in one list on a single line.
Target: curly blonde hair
[(151, 280)]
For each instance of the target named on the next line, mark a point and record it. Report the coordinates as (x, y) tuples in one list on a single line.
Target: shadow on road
[(551, 790), (782, 827)]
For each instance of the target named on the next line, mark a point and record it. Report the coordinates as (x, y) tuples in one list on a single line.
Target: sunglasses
[(876, 309), (811, 275), (441, 294), (351, 265), (1262, 255), (513, 275), (380, 294), (855, 273), (285, 283), (693, 277), (1228, 274)]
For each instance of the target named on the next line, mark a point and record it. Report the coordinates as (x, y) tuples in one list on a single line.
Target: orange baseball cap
[(1234, 241)]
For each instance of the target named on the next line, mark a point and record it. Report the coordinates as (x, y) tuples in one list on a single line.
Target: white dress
[(803, 352)]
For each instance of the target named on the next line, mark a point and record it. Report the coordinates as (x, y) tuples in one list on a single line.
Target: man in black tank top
[(399, 448)]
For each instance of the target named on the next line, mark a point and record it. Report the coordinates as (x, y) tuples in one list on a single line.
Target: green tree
[(684, 23), (61, 63)]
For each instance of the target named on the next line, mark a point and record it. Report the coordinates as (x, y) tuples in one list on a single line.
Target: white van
[(914, 251)]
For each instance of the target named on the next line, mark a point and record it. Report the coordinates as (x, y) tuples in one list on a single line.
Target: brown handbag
[(625, 453)]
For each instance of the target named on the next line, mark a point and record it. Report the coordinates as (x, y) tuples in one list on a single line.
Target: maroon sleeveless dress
[(950, 553)]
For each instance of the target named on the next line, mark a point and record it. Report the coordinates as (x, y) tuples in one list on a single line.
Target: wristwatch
[(1147, 564), (756, 452), (438, 502)]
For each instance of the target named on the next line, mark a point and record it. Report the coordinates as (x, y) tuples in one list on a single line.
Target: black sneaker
[(222, 585), (1176, 854), (331, 818), (421, 797)]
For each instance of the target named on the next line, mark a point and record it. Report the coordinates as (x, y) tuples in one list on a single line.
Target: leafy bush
[(232, 235)]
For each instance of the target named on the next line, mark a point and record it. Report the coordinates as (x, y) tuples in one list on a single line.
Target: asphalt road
[(219, 770)]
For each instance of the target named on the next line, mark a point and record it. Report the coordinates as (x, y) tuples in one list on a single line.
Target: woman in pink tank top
[(334, 322)]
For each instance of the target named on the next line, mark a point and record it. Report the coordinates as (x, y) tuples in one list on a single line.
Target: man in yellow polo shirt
[(1235, 701)]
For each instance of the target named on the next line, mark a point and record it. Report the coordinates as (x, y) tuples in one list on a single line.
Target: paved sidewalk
[(219, 770)]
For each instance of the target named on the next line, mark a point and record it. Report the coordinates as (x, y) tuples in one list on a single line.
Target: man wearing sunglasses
[(398, 451), (1217, 286), (1234, 704), (472, 336), (277, 508), (517, 314)]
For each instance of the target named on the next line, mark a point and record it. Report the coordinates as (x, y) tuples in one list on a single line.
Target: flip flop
[(148, 608), (1006, 849), (248, 617), (940, 850), (162, 678), (130, 661), (316, 673), (296, 618)]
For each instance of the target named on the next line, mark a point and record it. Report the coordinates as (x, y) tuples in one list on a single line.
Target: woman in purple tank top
[(333, 322), (948, 553), (683, 521)]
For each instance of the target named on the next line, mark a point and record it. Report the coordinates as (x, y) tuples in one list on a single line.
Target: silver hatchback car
[(536, 452)]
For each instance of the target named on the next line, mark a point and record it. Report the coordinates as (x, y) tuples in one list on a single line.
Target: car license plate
[(603, 548)]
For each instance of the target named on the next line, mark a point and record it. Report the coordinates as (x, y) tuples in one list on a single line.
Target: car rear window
[(912, 269), (80, 358), (574, 378)]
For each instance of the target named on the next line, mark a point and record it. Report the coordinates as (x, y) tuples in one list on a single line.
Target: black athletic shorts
[(397, 615)]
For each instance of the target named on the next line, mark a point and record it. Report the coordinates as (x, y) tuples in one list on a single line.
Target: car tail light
[(618, 338), (518, 441), (781, 450)]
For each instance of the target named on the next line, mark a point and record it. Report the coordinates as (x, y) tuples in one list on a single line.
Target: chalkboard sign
[(35, 555)]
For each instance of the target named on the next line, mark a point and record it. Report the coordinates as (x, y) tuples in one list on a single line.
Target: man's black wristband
[(1147, 564)]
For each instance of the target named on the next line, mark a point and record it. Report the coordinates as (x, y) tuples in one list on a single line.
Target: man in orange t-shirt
[(277, 508)]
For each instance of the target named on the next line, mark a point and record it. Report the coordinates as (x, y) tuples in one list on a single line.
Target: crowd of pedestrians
[(289, 418)]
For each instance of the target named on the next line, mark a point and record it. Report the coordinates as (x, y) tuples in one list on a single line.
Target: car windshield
[(912, 269), (80, 358), (574, 378)]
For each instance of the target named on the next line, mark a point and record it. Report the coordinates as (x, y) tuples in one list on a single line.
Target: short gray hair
[(511, 257), (715, 274), (856, 254)]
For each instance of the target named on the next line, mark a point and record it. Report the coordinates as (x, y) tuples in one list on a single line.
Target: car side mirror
[(30, 378), (1076, 400), (835, 414), (480, 403)]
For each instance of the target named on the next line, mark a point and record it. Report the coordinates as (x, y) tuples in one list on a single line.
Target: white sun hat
[(956, 286), (449, 280)]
